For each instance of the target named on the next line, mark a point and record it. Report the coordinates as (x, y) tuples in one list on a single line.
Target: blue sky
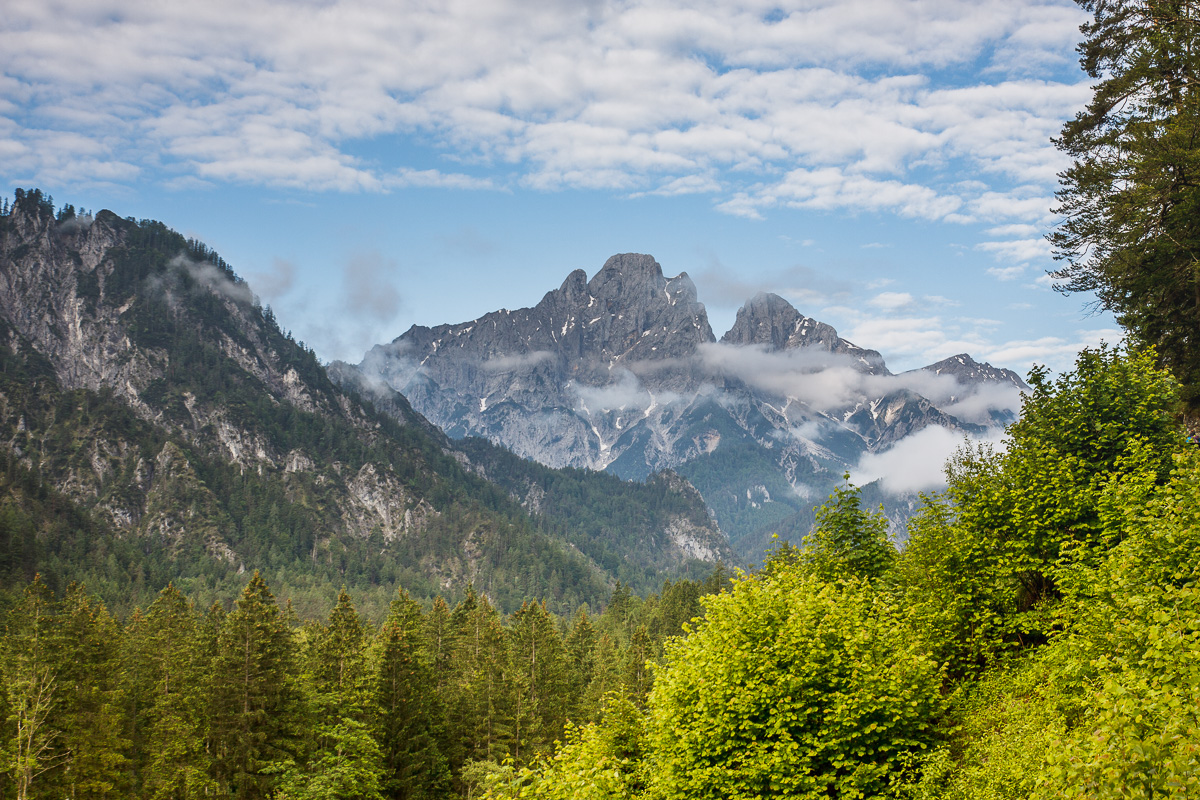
[(886, 165)]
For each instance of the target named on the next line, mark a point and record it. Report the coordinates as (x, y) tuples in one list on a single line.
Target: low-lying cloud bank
[(829, 382), (917, 463)]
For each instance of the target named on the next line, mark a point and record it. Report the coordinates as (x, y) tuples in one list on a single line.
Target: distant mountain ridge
[(622, 373)]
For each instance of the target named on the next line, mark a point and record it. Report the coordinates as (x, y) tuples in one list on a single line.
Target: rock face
[(970, 372), (622, 373), (84, 294), (772, 322), (562, 381)]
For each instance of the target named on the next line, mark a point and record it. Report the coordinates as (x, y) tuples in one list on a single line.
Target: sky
[(885, 165)]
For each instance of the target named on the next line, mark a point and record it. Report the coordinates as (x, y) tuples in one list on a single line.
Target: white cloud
[(891, 301), (823, 380), (916, 463), (1055, 352), (1019, 250), (1006, 273), (213, 278), (276, 282), (625, 392), (827, 382)]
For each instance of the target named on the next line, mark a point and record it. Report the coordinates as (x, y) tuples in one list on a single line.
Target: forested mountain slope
[(143, 384)]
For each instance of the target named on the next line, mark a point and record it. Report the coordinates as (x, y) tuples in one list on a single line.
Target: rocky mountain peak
[(633, 266), (969, 371), (766, 319), (770, 321)]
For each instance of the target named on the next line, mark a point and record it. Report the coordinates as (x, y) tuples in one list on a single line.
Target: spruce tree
[(90, 710), (1130, 201), (482, 693), (540, 675), (255, 702), (407, 706), (581, 660), (34, 754), (344, 761), (166, 669)]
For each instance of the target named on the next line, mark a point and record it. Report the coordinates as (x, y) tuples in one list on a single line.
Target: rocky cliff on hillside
[(622, 373)]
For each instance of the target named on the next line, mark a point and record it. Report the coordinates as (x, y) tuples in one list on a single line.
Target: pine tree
[(345, 762), (255, 701), (408, 708), (1130, 200), (166, 668), (638, 678), (482, 713), (539, 672), (90, 710), (32, 683), (581, 659)]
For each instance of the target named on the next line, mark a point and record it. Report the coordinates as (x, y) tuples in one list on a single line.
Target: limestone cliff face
[(51, 294)]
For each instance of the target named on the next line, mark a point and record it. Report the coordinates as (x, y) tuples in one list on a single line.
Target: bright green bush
[(791, 687)]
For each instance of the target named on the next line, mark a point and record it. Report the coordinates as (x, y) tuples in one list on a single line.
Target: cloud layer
[(870, 105), (917, 462)]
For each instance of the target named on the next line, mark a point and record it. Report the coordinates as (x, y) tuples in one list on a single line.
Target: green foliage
[(166, 689), (1130, 199), (1135, 636), (612, 521), (848, 541), (600, 761), (255, 700), (983, 561), (408, 707), (539, 670), (791, 687)]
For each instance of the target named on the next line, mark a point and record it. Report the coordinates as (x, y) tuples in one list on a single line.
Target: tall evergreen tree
[(255, 702), (344, 761), (34, 688), (482, 697), (408, 707), (1131, 200), (580, 652), (540, 674), (91, 706), (166, 669)]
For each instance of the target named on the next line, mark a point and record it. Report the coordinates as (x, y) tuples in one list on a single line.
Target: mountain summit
[(774, 323)]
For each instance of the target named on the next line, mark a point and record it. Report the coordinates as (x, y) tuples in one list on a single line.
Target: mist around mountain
[(622, 373), (159, 425)]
